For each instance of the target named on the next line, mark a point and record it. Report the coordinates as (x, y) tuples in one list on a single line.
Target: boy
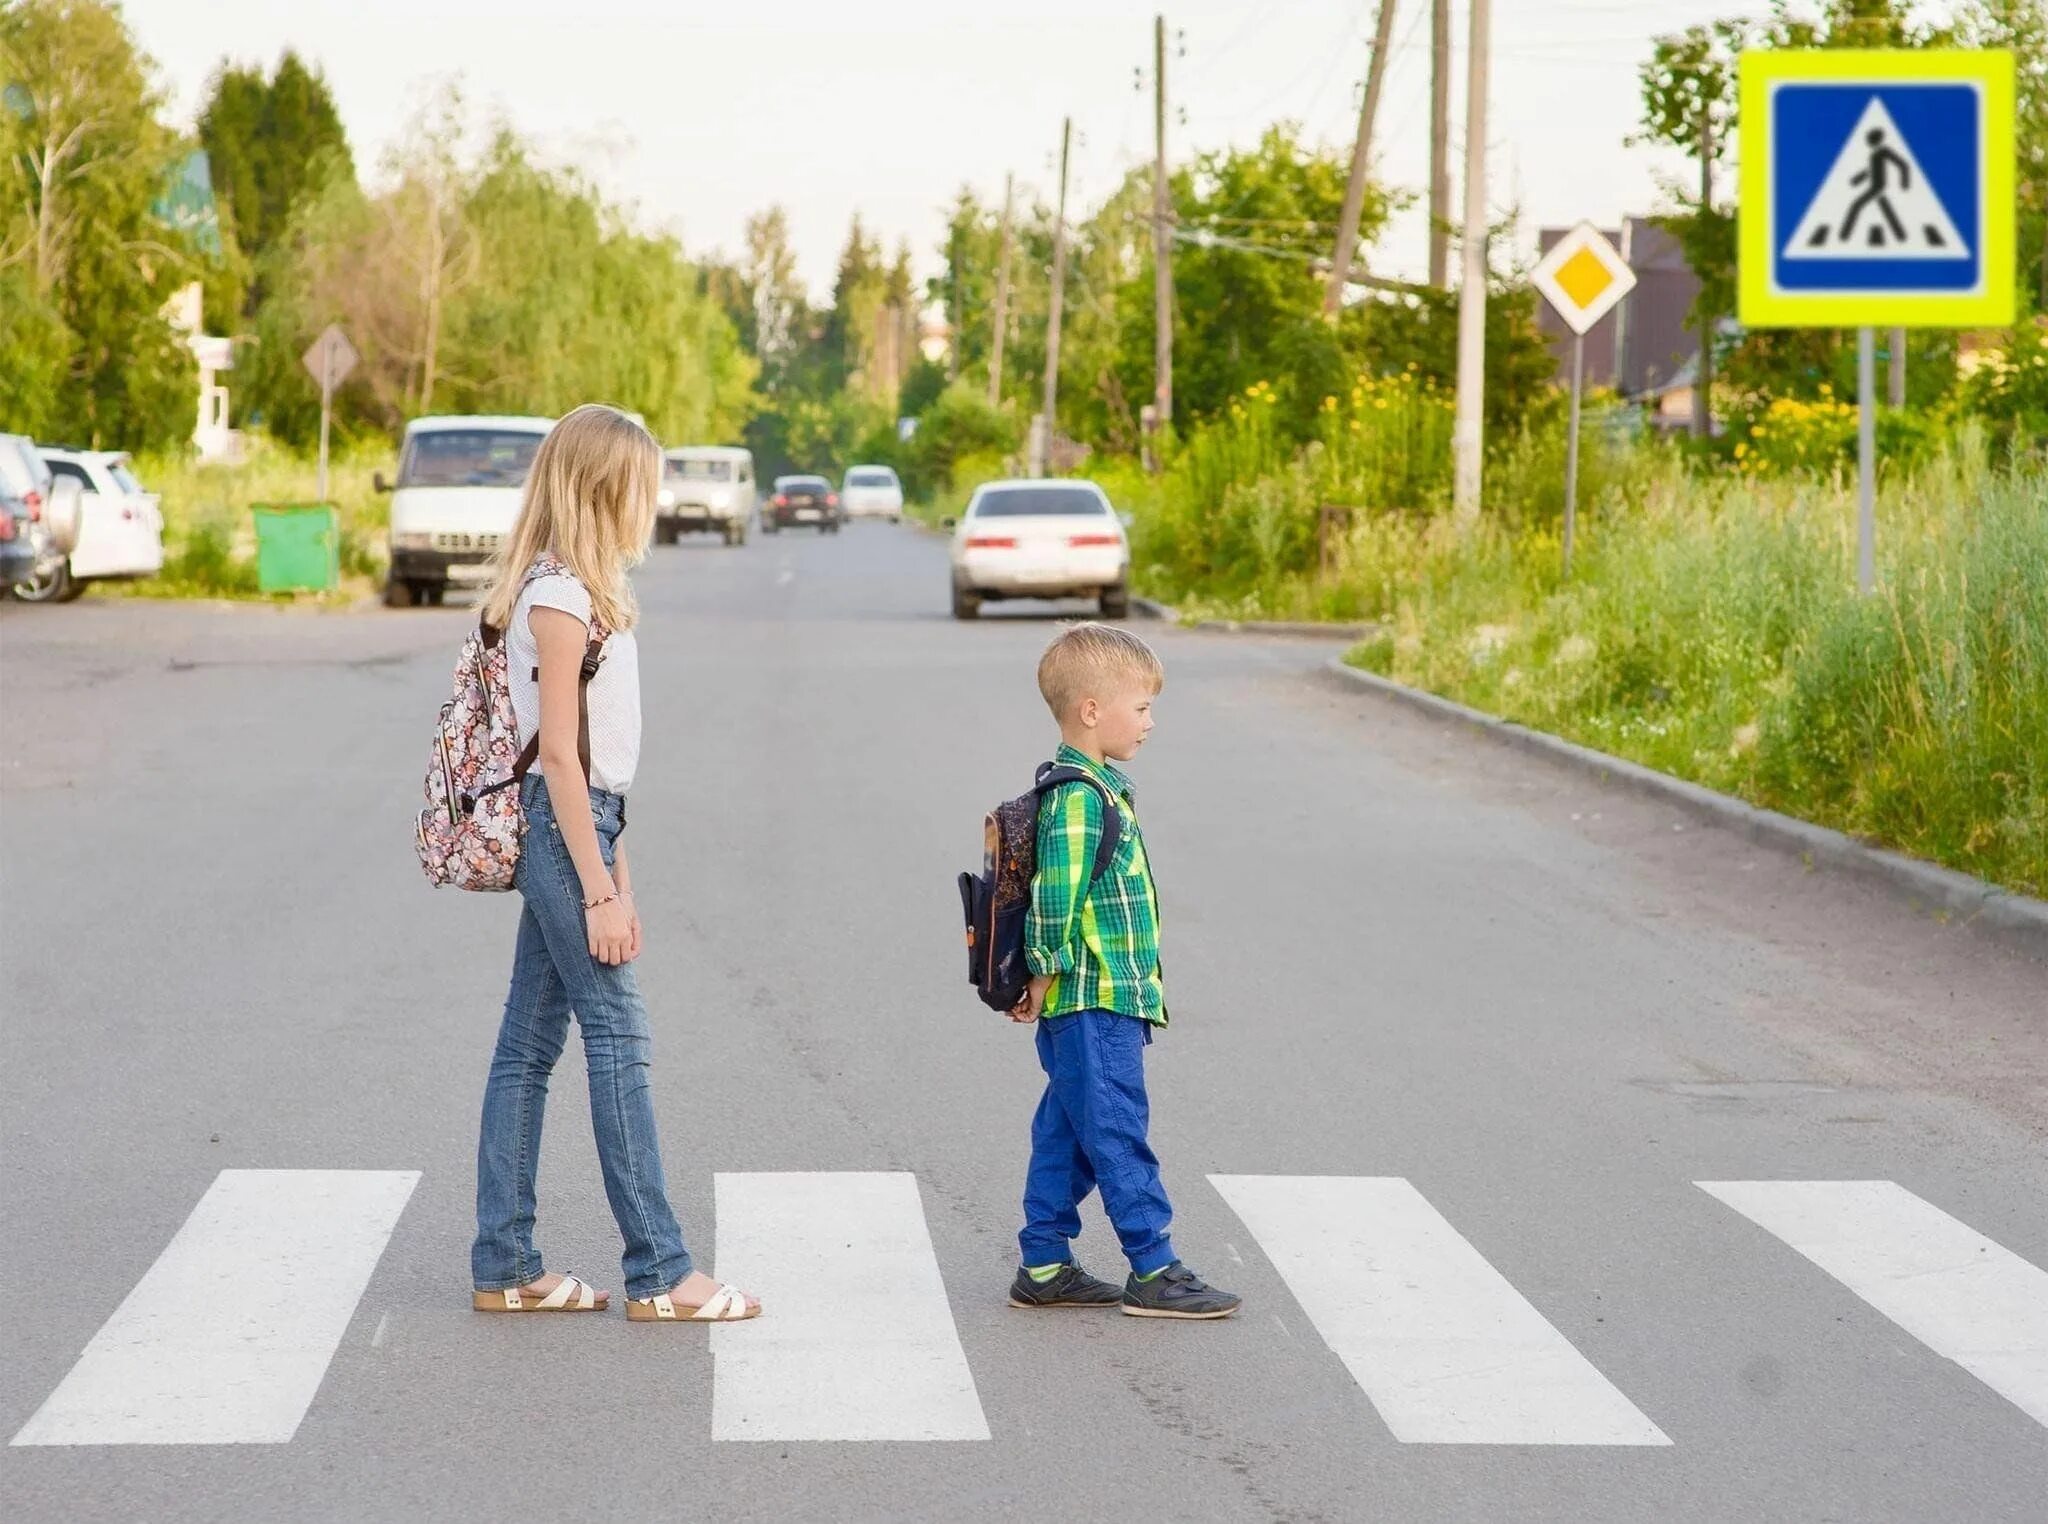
[(1094, 957)]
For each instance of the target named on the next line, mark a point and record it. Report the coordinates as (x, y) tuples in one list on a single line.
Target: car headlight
[(721, 499), (412, 539), (665, 497)]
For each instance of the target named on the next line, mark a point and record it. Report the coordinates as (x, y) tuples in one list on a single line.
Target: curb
[(2018, 920), (1349, 633)]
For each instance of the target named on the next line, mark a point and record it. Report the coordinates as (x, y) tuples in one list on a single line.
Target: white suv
[(1041, 539), (120, 527), (872, 492), (457, 496)]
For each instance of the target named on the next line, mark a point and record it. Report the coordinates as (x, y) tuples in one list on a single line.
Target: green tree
[(1689, 98), (88, 160), (270, 143)]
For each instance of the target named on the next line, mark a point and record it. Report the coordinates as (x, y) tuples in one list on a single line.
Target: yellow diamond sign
[(1583, 277)]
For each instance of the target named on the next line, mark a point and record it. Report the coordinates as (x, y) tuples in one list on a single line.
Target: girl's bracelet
[(604, 900)]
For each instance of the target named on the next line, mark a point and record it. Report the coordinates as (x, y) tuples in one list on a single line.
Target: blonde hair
[(1084, 659), (590, 501)]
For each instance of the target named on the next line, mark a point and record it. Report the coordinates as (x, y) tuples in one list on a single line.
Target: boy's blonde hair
[(1086, 660), (590, 500)]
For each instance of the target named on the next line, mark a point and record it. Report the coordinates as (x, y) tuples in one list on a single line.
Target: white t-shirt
[(614, 692)]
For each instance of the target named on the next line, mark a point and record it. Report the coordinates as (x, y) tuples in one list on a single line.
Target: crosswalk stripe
[(1447, 1351), (1956, 1291), (226, 1337), (858, 1341)]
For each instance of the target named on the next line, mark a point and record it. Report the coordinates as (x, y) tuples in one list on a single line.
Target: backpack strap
[(1052, 775), (593, 658)]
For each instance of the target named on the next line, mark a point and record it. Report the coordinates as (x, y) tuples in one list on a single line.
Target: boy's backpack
[(470, 831), (997, 899)]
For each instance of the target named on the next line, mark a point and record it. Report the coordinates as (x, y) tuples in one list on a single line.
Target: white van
[(705, 487), (457, 495)]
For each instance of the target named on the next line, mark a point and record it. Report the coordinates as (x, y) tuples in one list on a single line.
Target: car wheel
[(399, 594), (965, 604), (432, 593), (56, 585), (664, 531), (1116, 602)]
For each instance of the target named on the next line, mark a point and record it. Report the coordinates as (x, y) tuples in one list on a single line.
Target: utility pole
[(1439, 143), (1895, 379), (1162, 242), (1059, 281), (1703, 389), (1467, 435), (1354, 190), (1002, 314)]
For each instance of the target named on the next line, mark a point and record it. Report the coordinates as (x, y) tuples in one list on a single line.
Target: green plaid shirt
[(1101, 945)]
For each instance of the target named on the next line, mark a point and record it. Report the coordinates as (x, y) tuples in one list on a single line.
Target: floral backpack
[(470, 831)]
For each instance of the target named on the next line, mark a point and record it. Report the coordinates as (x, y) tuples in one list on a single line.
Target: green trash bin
[(298, 547)]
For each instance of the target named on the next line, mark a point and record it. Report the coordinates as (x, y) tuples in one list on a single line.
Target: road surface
[(1576, 1161)]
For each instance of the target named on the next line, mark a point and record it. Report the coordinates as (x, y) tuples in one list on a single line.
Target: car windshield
[(700, 470), (803, 484), (469, 458), (123, 477), (871, 478), (1039, 502)]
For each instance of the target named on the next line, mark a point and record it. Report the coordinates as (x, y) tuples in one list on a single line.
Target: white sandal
[(728, 1304), (516, 1299)]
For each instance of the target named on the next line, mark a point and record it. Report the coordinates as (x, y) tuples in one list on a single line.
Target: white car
[(705, 487), (460, 479), (872, 492), (1041, 539), (120, 530)]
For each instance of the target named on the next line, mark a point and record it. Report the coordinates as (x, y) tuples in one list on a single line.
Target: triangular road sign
[(1876, 202)]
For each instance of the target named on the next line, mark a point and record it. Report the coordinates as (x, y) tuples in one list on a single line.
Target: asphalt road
[(1457, 1039)]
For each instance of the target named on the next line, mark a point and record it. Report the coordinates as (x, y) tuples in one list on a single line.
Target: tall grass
[(209, 532), (1712, 629)]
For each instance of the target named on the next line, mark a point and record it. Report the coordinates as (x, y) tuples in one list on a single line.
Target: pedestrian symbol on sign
[(1876, 202)]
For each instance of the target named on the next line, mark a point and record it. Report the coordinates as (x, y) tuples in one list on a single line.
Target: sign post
[(329, 361), (1877, 192), (1582, 277)]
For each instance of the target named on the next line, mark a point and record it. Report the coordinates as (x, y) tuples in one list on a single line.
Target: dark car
[(26, 486), (802, 500)]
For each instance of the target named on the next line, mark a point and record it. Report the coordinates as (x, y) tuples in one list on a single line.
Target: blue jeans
[(553, 973), (1089, 1134)]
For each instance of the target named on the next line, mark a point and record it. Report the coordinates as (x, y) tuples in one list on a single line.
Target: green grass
[(210, 536), (1712, 630)]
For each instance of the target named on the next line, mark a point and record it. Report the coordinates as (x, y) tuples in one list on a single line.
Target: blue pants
[(1089, 1134), (553, 973)]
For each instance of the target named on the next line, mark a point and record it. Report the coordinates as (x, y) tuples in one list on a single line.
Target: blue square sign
[(1877, 188)]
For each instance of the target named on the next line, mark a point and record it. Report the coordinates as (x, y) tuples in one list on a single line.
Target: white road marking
[(225, 1339), (856, 1341), (377, 1338), (784, 577), (1956, 1291), (1446, 1349)]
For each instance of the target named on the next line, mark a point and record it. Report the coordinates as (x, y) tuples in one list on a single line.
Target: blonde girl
[(561, 595)]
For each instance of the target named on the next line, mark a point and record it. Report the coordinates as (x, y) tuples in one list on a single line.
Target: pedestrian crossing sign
[(1876, 189)]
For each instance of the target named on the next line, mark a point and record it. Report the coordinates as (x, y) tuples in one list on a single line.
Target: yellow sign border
[(1759, 306)]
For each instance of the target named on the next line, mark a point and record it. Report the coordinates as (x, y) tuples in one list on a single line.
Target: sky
[(697, 115)]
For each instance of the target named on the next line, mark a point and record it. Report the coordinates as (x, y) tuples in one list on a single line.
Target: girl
[(560, 592)]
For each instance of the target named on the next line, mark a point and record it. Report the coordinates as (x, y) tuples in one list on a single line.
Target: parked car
[(1040, 539), (42, 512), (872, 492), (459, 483), (802, 500), (120, 527), (708, 487)]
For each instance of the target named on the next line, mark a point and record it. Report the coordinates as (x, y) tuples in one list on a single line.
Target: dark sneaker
[(1072, 1287), (1177, 1292)]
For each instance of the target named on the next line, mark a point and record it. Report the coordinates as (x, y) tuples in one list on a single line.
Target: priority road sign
[(1877, 189), (1583, 276)]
